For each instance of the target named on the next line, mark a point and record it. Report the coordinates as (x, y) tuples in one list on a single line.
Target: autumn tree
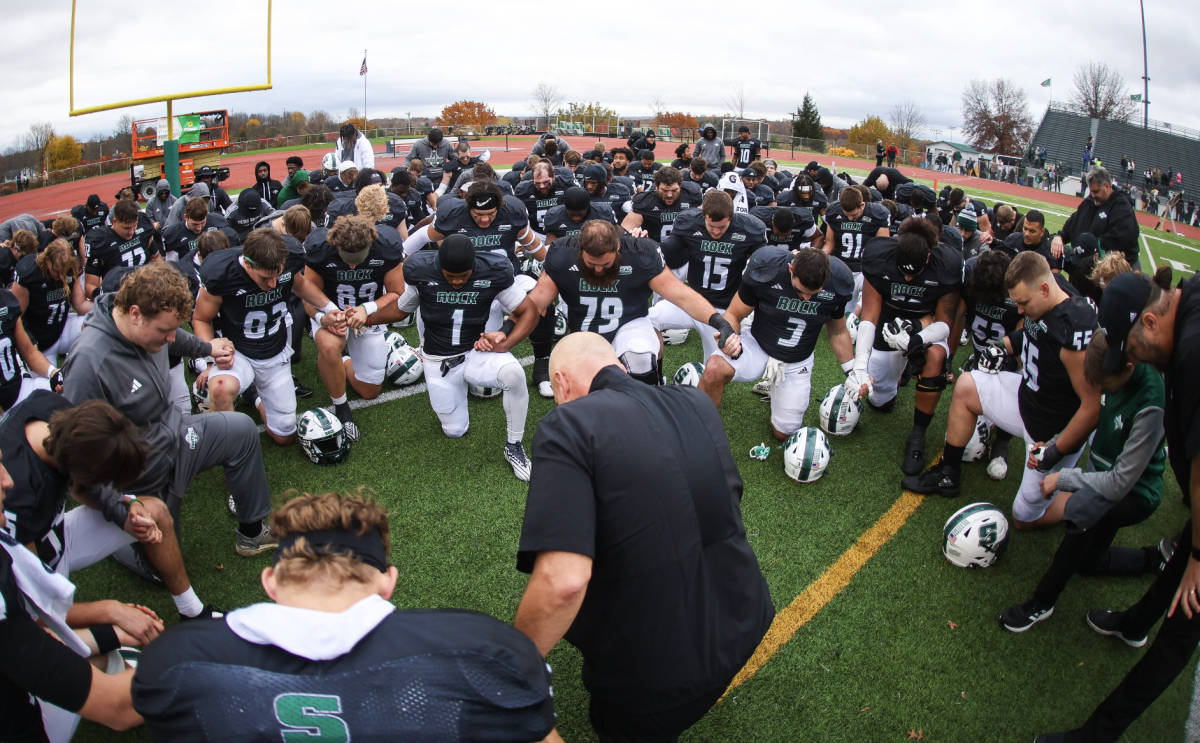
[(676, 119), (1100, 92), (466, 112), (63, 152), (37, 139), (907, 120), (319, 122), (996, 116), (868, 130)]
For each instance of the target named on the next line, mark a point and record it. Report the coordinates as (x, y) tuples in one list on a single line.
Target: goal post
[(758, 129)]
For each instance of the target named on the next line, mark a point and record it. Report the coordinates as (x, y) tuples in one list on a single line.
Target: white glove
[(774, 373), (854, 382), (991, 359), (897, 334), (485, 156), (441, 190)]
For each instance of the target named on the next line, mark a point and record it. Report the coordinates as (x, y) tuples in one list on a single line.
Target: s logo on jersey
[(309, 716)]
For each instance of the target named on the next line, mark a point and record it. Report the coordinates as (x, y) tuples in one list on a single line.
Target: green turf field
[(911, 647)]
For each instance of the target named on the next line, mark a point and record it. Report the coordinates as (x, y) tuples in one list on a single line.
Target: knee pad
[(932, 384), (639, 363), (510, 376), (652, 377)]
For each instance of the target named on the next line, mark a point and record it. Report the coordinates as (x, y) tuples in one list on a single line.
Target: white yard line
[(1145, 242)]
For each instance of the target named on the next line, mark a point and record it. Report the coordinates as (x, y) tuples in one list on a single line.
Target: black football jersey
[(397, 211), (785, 324), (453, 216), (560, 224), (455, 318), (106, 249), (763, 194), (420, 675), (715, 265), (707, 181), (802, 233), (35, 506), (643, 177), (1047, 397), (538, 204), (10, 370), (615, 196), (342, 206), (604, 309), (349, 287), (1015, 243), (658, 218), (256, 321), (49, 302), (909, 299), (989, 324), (745, 152), (178, 240), (88, 222), (851, 235)]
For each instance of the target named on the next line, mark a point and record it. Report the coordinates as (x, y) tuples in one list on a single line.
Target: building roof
[(965, 148)]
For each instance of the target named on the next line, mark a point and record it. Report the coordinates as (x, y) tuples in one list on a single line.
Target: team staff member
[(332, 641), (1158, 324), (634, 540), (432, 152), (1108, 214), (885, 179)]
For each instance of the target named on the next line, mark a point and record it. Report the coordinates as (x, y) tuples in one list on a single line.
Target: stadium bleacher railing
[(1152, 124)]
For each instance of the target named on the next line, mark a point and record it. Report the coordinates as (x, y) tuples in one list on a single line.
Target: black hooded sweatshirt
[(268, 189)]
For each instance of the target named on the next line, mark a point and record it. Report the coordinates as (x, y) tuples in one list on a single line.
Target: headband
[(366, 547), (483, 202)]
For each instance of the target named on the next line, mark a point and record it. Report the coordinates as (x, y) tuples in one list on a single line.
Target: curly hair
[(1108, 268), (155, 288), (372, 203), (352, 234), (59, 260), (300, 563), (25, 242), (987, 280), (65, 226)]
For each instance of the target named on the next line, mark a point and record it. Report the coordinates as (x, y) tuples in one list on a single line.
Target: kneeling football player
[(792, 297), (454, 287)]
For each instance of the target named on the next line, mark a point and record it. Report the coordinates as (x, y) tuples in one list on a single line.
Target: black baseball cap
[(1122, 302), (813, 165), (596, 173), (749, 173)]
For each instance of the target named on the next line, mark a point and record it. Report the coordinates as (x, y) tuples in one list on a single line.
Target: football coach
[(634, 540)]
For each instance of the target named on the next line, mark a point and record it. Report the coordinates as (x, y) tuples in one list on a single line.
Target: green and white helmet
[(200, 397), (561, 325), (322, 436), (689, 373), (838, 413), (531, 267), (403, 364), (483, 392), (977, 447), (976, 536), (806, 455), (675, 337)]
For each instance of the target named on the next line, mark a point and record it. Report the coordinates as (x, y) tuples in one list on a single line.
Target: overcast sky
[(855, 58)]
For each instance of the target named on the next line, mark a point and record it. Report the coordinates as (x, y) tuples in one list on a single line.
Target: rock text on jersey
[(354, 274), (584, 286), (716, 246), (911, 290), (262, 299), (457, 297), (798, 306), (989, 311), (486, 241)]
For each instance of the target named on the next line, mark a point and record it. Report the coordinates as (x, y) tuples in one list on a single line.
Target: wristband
[(722, 326), (1050, 457), (441, 189), (371, 308), (847, 367), (507, 327), (320, 314), (331, 307), (105, 637)]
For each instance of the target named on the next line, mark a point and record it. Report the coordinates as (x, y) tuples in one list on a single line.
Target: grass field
[(910, 649)]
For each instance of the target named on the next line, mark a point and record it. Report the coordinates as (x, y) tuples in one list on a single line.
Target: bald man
[(653, 466)]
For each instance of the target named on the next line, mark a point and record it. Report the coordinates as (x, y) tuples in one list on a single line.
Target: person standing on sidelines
[(353, 146), (634, 540)]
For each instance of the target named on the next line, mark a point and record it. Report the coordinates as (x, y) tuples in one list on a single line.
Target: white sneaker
[(997, 469), (762, 388), (546, 390), (514, 454)]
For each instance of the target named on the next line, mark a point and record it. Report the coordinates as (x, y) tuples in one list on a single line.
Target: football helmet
[(483, 392), (675, 337), (322, 436), (200, 397), (806, 455), (852, 327), (689, 373), (531, 266), (839, 412), (403, 364), (561, 326), (975, 536), (977, 447)]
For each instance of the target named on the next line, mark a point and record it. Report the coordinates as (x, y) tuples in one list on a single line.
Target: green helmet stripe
[(837, 407), (963, 515), (810, 446)]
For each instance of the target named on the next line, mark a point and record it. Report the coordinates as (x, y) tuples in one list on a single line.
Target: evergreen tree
[(807, 123)]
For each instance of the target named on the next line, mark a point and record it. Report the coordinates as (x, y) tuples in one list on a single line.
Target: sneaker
[(251, 546), (761, 388), (133, 558), (914, 454), (346, 416), (131, 656), (514, 454), (1021, 617), (541, 377), (941, 480), (206, 613), (301, 390), (1166, 548), (1109, 623), (997, 468)]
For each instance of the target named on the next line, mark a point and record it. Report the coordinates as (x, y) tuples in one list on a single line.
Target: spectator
[(297, 183), (710, 148), (619, 549), (639, 142), (433, 151), (353, 147), (159, 208), (892, 152), (957, 158), (929, 159), (268, 188), (218, 200)]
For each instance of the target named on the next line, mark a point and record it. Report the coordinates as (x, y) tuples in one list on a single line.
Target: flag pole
[(364, 90)]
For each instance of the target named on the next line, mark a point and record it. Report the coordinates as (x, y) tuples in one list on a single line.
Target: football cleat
[(541, 377), (514, 454), (689, 373), (806, 455), (1020, 617), (914, 453), (976, 536), (941, 480), (761, 388), (301, 391), (323, 437), (675, 337)]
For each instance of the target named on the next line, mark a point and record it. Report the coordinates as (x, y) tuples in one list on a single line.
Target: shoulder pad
[(421, 266), (514, 208), (389, 242), (879, 255), (9, 301), (600, 210), (496, 267), (215, 269), (949, 264), (751, 224), (642, 252), (27, 269), (315, 244), (764, 213), (841, 278), (523, 189), (689, 219), (764, 265)]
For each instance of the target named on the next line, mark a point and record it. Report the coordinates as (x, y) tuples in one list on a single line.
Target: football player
[(1033, 236), (791, 227), (745, 148), (123, 243), (91, 214), (606, 282), (654, 210), (541, 193), (568, 219), (455, 287), (643, 171), (180, 238), (47, 286), (714, 243), (849, 224), (328, 651), (699, 174), (598, 182), (753, 176), (1050, 404), (792, 298), (360, 266), (910, 292)]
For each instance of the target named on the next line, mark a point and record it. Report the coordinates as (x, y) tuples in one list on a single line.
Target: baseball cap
[(813, 165), (749, 173), (596, 173), (1122, 302), (93, 201), (576, 199), (250, 203), (346, 165)]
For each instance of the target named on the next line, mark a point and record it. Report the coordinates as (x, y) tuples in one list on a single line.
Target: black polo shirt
[(641, 480), (1183, 394)]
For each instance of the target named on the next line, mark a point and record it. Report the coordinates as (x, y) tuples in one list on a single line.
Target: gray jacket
[(158, 210), (10, 227), (175, 214), (712, 150), (433, 157), (105, 365)]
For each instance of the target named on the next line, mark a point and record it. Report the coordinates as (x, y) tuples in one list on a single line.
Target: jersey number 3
[(309, 716)]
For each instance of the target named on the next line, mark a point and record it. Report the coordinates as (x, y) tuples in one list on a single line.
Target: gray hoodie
[(105, 365), (198, 191), (433, 157), (157, 209), (712, 150)]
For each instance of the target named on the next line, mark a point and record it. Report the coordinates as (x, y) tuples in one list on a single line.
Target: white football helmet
[(200, 397), (852, 327), (689, 373), (675, 337), (839, 412), (976, 536), (403, 365), (806, 455), (406, 322), (322, 436), (978, 445), (531, 267), (483, 392), (561, 325)]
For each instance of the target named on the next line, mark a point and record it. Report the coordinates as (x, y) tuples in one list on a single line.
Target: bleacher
[(1064, 135)]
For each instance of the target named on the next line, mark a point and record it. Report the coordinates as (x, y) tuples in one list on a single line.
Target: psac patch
[(625, 270), (737, 237), (482, 284)]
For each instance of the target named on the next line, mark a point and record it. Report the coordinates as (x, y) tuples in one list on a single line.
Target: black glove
[(722, 326), (1050, 457)]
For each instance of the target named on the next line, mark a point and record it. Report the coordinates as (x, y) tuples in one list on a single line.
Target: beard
[(606, 277)]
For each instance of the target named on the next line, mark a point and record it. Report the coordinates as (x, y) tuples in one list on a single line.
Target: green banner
[(188, 129)]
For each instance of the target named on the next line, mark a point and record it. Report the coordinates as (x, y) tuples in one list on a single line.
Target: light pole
[(1145, 72)]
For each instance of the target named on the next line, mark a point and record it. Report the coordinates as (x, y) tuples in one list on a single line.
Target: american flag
[(363, 69)]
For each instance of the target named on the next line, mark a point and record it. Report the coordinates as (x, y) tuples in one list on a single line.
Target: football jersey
[(707, 181), (455, 318), (560, 224), (49, 302), (644, 177), (605, 309), (106, 249), (178, 240), (989, 324), (397, 213), (786, 325), (1015, 243), (615, 195), (10, 369), (342, 206), (763, 194), (745, 152), (658, 218), (851, 235), (537, 204), (87, 222), (909, 299), (256, 321), (416, 205), (1047, 397), (803, 231), (420, 675), (346, 286), (36, 504), (715, 265), (512, 218)]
